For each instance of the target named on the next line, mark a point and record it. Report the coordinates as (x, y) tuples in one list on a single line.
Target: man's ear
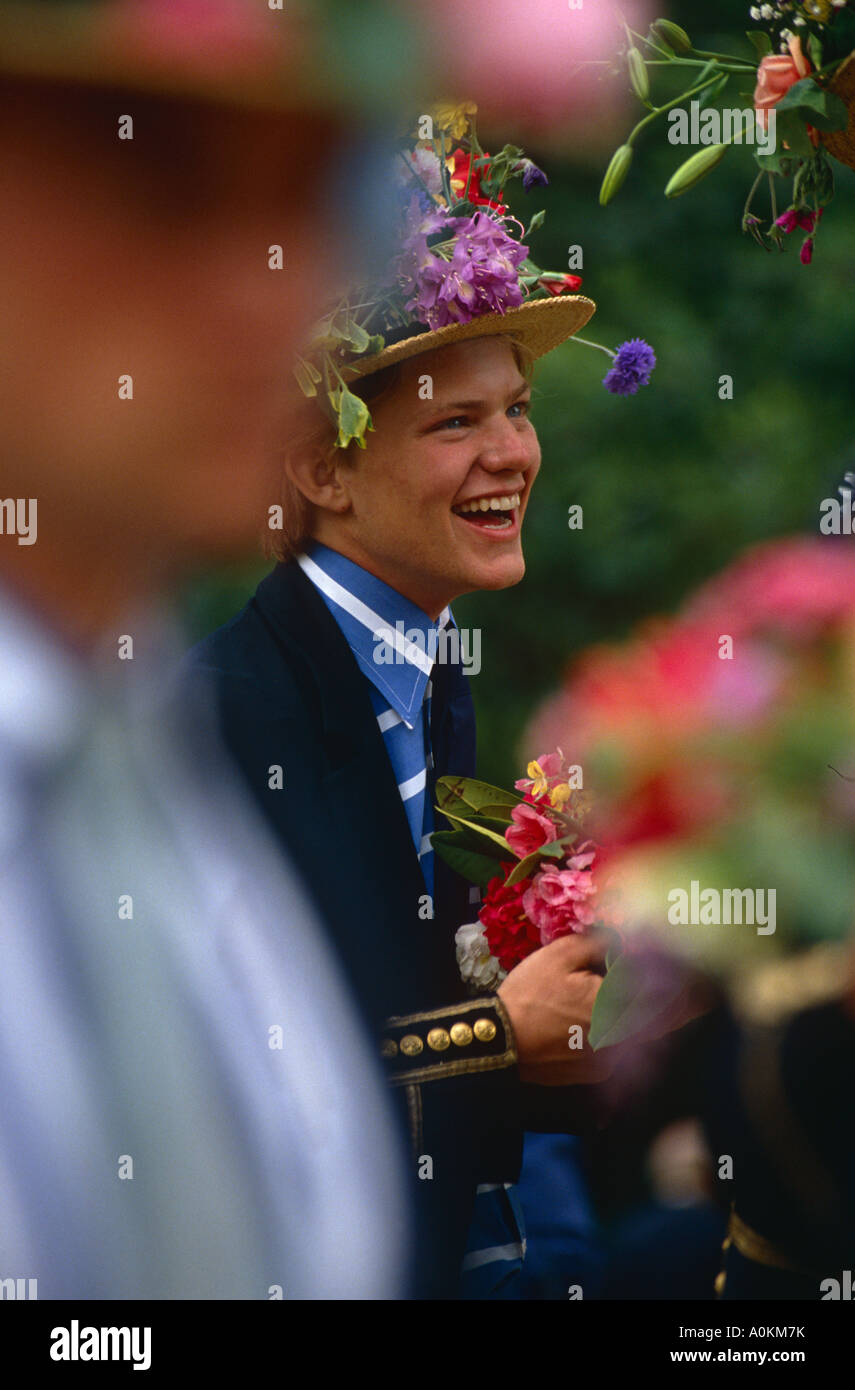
[(321, 477)]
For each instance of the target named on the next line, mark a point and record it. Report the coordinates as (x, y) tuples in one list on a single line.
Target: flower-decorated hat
[(461, 269)]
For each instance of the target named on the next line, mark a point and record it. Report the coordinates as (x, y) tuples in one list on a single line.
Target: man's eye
[(453, 421), (523, 407)]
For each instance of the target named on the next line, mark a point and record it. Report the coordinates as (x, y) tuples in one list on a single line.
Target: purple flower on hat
[(481, 277), (633, 363), (531, 175)]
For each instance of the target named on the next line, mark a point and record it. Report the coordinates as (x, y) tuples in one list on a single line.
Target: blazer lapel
[(358, 773)]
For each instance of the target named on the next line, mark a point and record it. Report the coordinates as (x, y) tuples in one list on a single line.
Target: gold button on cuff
[(411, 1046), (484, 1029), (461, 1034), (389, 1048), (438, 1040)]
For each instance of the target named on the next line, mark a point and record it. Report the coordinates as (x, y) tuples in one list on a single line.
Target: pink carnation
[(557, 901), (530, 830)]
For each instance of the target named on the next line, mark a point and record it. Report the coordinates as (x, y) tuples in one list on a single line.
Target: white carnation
[(478, 968)]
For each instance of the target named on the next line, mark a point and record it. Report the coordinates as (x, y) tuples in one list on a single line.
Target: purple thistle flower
[(633, 363), (531, 175), (482, 276)]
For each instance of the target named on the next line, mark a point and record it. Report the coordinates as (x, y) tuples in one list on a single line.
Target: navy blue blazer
[(290, 693)]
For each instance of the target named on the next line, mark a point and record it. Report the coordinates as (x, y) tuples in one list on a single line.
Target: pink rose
[(557, 901), (777, 73), (530, 830)]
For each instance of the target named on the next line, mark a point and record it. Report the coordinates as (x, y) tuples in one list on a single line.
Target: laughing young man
[(342, 746)]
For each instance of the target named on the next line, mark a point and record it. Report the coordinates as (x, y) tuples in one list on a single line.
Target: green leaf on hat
[(307, 376), (356, 335), (354, 418)]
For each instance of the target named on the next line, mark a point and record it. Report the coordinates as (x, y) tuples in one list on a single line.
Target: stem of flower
[(586, 342), (779, 240), (749, 199), (659, 110)]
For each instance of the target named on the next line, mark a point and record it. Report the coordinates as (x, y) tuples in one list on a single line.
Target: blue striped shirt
[(395, 645)]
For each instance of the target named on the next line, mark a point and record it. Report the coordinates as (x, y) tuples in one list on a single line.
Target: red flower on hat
[(564, 284), (460, 175)]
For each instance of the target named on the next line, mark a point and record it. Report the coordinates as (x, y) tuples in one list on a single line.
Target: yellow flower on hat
[(454, 117)]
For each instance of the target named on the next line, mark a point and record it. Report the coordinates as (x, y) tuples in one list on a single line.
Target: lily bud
[(672, 34), (616, 173), (693, 170), (638, 79)]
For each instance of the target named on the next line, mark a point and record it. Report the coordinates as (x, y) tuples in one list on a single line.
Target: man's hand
[(545, 996)]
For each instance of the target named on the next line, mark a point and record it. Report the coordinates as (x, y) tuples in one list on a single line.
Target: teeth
[(491, 504)]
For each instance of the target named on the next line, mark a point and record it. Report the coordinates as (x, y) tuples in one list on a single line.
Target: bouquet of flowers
[(802, 66), (542, 879), (460, 252), (721, 743)]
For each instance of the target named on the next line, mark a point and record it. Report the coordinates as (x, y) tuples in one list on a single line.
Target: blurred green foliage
[(674, 481)]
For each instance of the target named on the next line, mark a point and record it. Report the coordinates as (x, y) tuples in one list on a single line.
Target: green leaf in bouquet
[(761, 41), (488, 822), (472, 865), (466, 838), (814, 48), (626, 1004), (536, 222), (556, 849), (467, 794), (480, 830), (815, 105)]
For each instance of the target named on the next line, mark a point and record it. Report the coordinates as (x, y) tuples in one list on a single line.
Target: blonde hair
[(311, 432)]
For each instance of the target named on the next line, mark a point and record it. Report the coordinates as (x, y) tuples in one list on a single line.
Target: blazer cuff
[(474, 1036)]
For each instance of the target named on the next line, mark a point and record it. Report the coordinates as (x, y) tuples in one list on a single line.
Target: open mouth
[(490, 513)]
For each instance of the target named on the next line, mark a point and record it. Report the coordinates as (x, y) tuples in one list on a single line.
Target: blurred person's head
[(166, 232), (402, 507), (149, 257)]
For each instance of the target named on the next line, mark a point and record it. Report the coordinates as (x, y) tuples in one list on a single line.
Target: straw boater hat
[(541, 325)]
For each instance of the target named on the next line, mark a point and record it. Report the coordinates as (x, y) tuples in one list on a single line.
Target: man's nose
[(504, 448)]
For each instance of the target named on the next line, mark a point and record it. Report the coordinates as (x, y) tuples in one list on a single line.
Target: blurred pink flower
[(529, 61)]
